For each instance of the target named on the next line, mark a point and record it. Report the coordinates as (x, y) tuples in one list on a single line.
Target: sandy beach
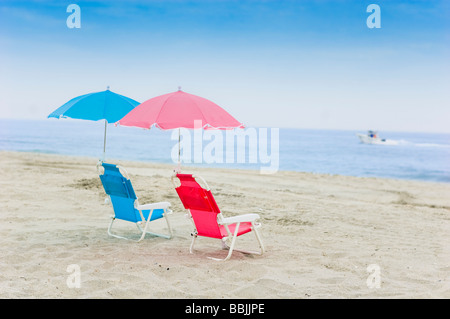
[(326, 236)]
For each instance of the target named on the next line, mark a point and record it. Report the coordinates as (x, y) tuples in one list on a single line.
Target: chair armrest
[(239, 219), (161, 205)]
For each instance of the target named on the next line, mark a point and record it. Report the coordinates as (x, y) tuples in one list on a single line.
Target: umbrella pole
[(179, 150), (104, 141)]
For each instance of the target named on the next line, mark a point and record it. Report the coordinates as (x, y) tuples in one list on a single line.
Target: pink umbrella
[(179, 110)]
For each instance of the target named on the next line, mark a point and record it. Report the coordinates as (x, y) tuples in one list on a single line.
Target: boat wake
[(408, 143), (387, 142)]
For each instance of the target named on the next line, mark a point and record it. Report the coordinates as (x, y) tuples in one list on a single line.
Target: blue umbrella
[(105, 105)]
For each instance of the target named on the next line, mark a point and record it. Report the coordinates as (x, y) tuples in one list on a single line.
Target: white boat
[(371, 138)]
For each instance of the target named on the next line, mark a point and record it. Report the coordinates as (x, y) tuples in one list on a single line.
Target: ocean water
[(413, 156)]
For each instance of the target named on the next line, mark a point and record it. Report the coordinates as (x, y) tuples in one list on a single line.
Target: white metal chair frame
[(161, 205), (225, 221)]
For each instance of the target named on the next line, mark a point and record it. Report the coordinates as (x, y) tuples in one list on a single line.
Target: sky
[(299, 64)]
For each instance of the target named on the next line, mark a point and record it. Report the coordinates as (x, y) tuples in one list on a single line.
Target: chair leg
[(191, 249), (110, 226), (144, 231), (230, 249), (258, 238), (168, 224), (233, 242), (113, 235)]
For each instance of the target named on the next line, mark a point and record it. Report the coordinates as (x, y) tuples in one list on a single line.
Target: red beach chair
[(207, 218)]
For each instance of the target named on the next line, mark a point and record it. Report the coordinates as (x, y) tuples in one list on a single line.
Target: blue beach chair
[(125, 203)]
